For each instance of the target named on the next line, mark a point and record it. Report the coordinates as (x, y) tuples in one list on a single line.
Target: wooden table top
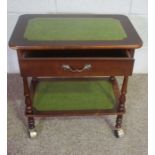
[(66, 31)]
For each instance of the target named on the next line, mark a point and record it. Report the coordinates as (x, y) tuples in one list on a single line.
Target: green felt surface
[(59, 29), (73, 95)]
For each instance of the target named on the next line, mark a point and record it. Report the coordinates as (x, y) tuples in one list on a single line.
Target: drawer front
[(76, 67)]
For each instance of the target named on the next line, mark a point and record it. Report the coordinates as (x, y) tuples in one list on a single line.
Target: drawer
[(76, 63)]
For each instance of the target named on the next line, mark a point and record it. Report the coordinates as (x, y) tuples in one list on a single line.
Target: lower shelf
[(74, 97)]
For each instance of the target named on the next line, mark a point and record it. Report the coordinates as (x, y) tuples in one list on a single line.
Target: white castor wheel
[(32, 133), (119, 133)]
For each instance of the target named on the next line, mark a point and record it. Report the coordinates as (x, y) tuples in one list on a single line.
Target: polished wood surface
[(102, 65), (17, 40)]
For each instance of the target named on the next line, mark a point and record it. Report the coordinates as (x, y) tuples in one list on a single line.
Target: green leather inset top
[(74, 95), (74, 29)]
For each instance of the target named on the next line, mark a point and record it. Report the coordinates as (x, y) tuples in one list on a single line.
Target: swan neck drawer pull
[(85, 67)]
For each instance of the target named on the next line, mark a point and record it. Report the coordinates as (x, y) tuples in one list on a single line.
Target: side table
[(72, 62)]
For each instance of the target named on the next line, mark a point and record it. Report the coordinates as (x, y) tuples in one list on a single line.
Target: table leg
[(122, 99), (121, 108), (119, 121), (28, 109), (31, 123)]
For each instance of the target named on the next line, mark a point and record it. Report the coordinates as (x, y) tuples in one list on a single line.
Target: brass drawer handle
[(67, 67)]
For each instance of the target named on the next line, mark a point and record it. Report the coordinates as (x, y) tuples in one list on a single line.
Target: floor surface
[(89, 135)]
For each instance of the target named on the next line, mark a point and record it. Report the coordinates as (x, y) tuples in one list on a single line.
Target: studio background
[(80, 135), (136, 10)]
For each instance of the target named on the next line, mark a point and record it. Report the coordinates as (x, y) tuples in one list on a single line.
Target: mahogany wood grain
[(100, 67), (18, 42)]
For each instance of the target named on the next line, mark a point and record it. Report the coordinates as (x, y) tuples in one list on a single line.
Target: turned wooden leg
[(28, 102), (31, 123), (121, 108), (122, 99), (119, 121), (28, 109), (31, 126), (119, 132)]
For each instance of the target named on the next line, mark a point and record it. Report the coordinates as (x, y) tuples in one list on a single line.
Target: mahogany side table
[(72, 62)]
